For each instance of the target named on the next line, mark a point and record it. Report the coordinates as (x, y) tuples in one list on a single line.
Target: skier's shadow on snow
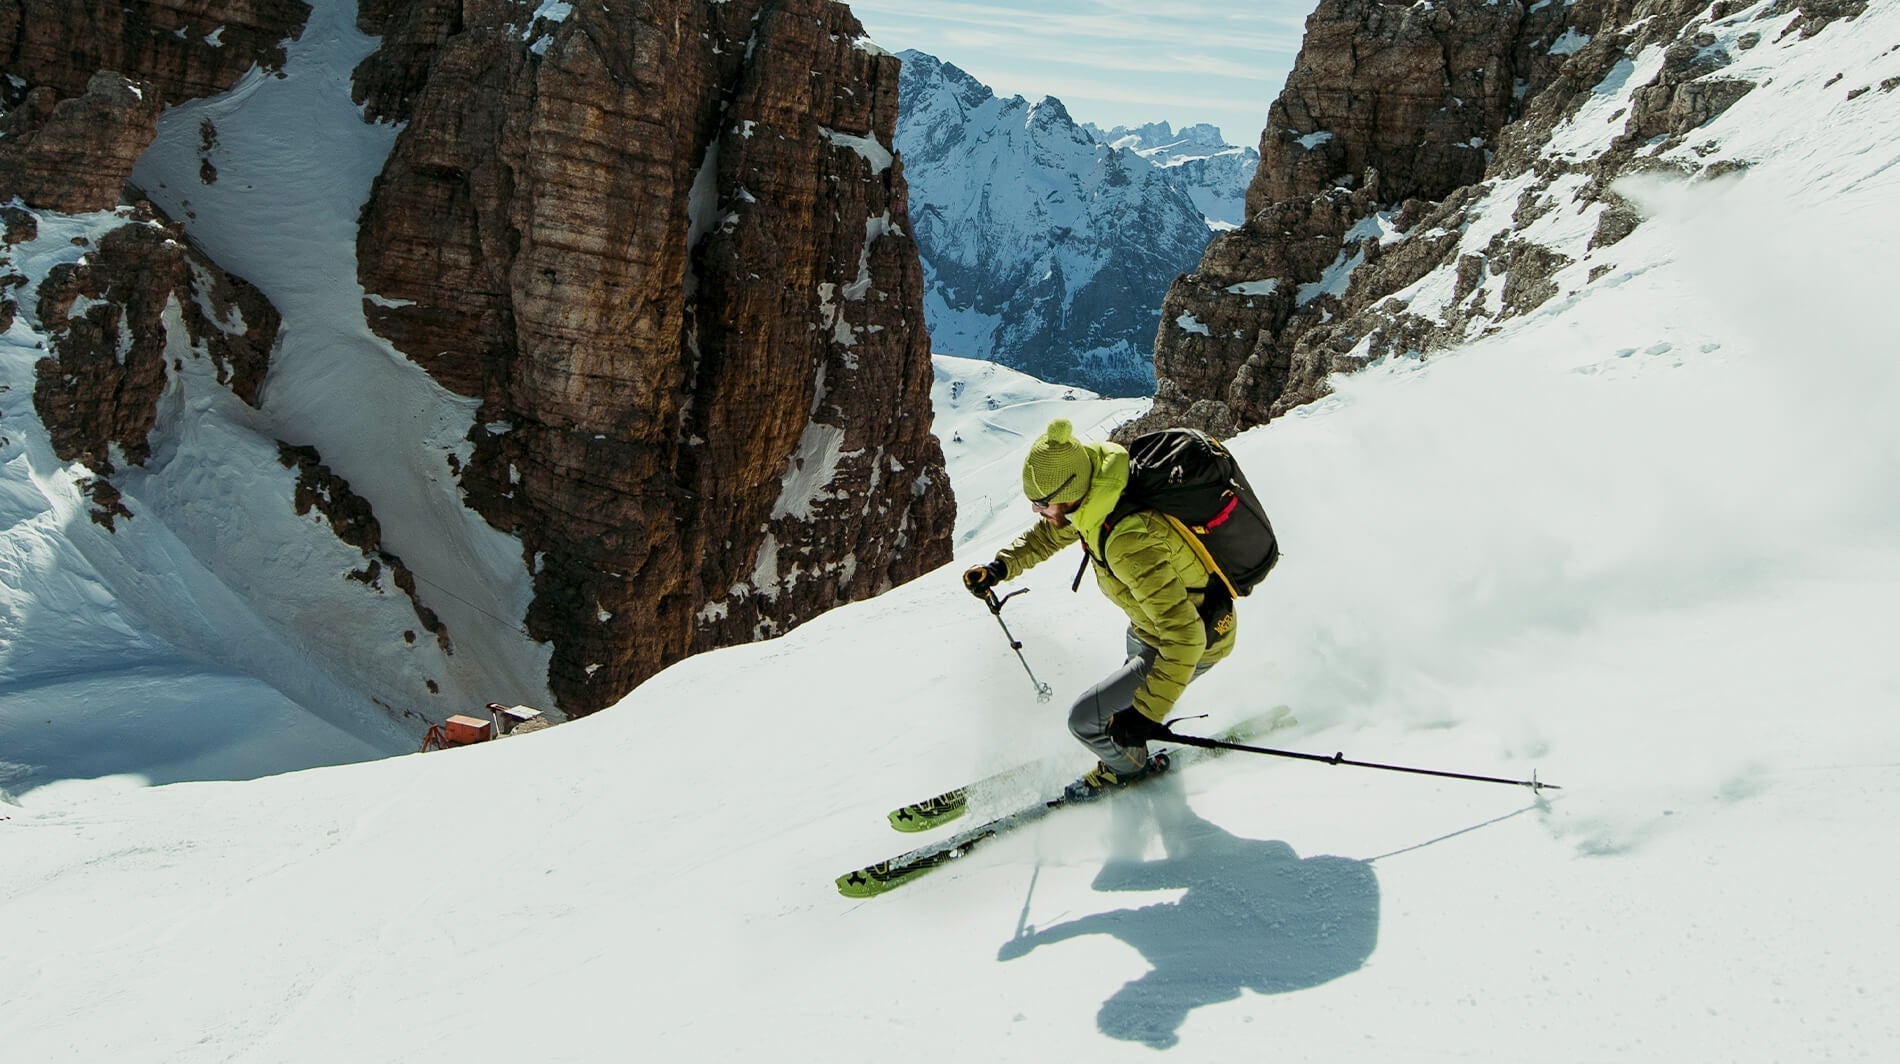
[(1255, 916)]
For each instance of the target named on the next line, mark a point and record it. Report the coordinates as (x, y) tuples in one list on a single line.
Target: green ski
[(951, 805), (872, 880), (884, 876)]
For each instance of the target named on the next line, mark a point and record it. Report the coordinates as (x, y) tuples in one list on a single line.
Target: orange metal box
[(462, 730)]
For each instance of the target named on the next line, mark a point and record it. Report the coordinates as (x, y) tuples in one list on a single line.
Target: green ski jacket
[(1146, 568)]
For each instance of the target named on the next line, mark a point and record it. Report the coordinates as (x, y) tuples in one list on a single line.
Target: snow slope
[(1643, 542), (191, 641)]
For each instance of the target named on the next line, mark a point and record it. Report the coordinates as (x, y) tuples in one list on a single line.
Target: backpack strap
[(1122, 509), (1193, 541), (1227, 511), (1200, 549)]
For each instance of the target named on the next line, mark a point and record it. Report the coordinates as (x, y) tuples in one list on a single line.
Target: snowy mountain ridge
[(1164, 144), (1043, 248), (1214, 173)]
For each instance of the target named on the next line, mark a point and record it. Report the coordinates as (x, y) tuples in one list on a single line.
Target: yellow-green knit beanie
[(1057, 469)]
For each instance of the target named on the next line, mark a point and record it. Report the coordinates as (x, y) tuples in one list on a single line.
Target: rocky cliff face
[(666, 245), (659, 251), (86, 80), (1418, 147), (146, 358), (99, 387), (189, 48)]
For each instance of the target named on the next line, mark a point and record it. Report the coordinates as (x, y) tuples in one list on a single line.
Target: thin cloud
[(1112, 62), (1204, 26)]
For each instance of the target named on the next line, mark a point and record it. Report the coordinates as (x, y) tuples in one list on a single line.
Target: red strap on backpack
[(1226, 512)]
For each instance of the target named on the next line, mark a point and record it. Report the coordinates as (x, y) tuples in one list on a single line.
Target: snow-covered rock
[(1213, 173)]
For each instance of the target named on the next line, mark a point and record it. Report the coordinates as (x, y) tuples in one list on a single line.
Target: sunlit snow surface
[(1643, 543)]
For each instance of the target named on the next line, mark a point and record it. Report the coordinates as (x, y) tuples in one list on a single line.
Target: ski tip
[(865, 883), (913, 825), (913, 819)]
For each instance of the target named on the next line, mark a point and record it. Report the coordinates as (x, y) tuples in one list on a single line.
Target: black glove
[(1131, 727), (981, 578)]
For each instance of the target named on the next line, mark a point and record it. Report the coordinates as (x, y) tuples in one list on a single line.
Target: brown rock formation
[(72, 130), (1412, 91), (87, 80), (98, 389), (188, 48), (73, 155), (1404, 109), (664, 243)]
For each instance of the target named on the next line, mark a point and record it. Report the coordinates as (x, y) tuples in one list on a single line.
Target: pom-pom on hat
[(1057, 469)]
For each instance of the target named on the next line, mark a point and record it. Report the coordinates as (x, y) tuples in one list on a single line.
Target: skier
[(1177, 629)]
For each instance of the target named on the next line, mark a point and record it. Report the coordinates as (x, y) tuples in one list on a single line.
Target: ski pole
[(1043, 693), (1341, 759)]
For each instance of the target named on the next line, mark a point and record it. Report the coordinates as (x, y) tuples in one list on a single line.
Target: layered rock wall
[(665, 245), (87, 79), (86, 82), (188, 48), (1396, 121), (662, 244)]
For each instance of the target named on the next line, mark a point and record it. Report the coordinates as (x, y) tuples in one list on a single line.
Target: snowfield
[(1644, 543)]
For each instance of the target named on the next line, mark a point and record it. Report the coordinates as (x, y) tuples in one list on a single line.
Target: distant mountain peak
[(1049, 111), (1044, 247), (1162, 135), (924, 66)]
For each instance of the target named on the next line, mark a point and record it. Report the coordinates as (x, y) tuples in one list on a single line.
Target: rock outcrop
[(188, 48), (99, 387), (1398, 119), (87, 80), (73, 155), (665, 244)]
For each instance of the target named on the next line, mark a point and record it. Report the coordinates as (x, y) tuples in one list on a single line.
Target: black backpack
[(1188, 477)]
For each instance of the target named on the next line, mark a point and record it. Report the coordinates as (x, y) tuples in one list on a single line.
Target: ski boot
[(1102, 779)]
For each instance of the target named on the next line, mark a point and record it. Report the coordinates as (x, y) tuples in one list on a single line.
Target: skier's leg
[(1088, 718)]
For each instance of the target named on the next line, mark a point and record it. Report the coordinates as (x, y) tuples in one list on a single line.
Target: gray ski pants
[(1088, 720)]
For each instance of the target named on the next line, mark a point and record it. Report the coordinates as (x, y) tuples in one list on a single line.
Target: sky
[(1113, 62), (1641, 542)]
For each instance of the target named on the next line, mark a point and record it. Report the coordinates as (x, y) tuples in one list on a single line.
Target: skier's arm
[(1035, 546)]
